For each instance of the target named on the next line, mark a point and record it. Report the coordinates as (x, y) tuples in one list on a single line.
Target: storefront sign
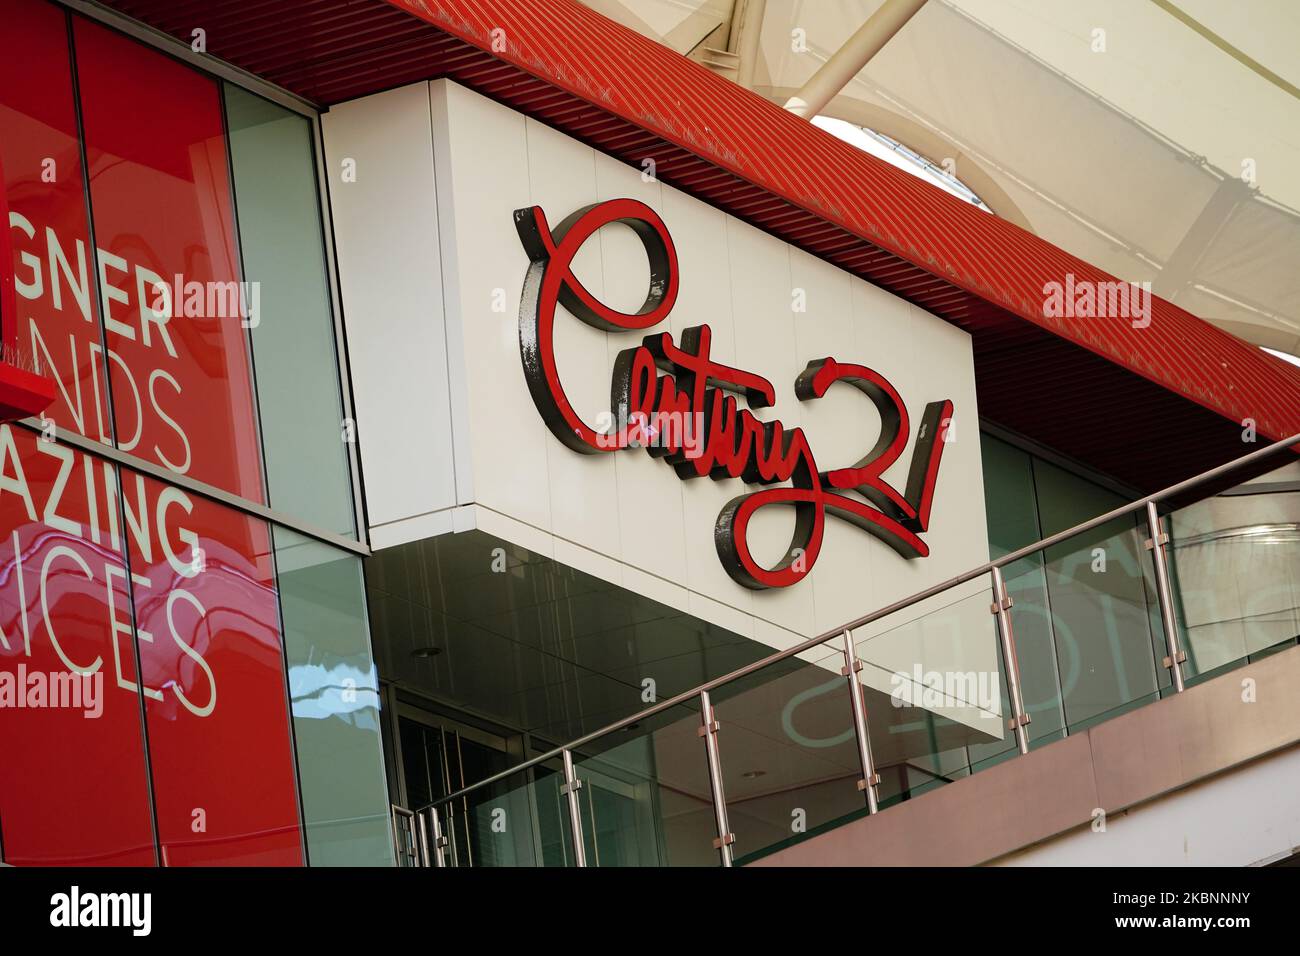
[(676, 402), (112, 577)]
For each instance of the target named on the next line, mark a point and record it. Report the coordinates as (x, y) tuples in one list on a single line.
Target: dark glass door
[(439, 756)]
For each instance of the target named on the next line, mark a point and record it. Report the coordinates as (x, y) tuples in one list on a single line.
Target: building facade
[(412, 400)]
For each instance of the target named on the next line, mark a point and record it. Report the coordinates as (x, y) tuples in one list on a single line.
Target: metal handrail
[(894, 608)]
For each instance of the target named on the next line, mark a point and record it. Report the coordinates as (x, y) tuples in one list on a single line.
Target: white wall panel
[(483, 175), (391, 278)]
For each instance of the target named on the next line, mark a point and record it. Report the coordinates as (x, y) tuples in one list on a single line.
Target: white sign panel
[(609, 372)]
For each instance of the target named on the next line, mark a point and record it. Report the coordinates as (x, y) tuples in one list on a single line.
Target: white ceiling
[(1164, 148)]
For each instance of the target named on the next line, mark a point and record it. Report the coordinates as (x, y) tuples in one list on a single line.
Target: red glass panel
[(169, 266), (73, 785), (210, 685), (216, 696), (52, 262)]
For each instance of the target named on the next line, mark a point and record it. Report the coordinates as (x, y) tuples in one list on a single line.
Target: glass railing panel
[(645, 798), (935, 689), (521, 820), (789, 756), (1235, 569), (1036, 648), (906, 781), (1088, 643), (1100, 606)]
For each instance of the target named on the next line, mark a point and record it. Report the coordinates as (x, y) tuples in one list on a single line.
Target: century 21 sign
[(676, 402)]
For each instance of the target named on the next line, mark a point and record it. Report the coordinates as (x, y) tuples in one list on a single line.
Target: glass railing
[(1233, 559), (1040, 643), (643, 797), (791, 762), (1096, 597), (518, 818)]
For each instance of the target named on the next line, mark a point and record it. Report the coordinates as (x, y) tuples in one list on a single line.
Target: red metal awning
[(1147, 405)]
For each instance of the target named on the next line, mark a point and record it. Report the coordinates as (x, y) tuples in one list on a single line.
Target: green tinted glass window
[(293, 331), (334, 688)]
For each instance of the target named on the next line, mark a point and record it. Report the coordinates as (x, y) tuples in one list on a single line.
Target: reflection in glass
[(212, 666), (1100, 602), (518, 821), (1084, 614), (645, 794), (1235, 562), (936, 691), (175, 308), (525, 642), (334, 692), (73, 783), (789, 755), (1012, 509)]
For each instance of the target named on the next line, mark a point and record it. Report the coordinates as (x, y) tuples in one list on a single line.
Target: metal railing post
[(405, 838), (421, 841), (870, 779), (1001, 609), (438, 842), (1156, 545), (570, 789), (709, 731)]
